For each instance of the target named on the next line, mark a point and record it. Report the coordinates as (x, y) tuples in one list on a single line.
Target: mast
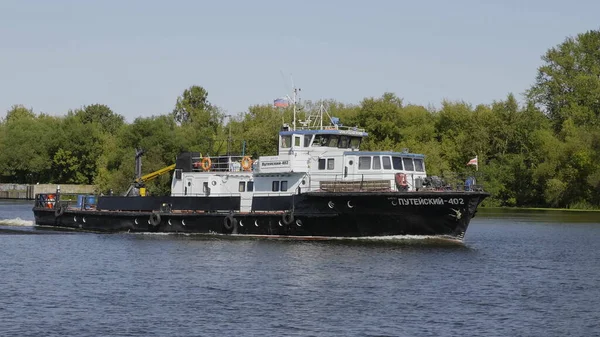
[(294, 101)]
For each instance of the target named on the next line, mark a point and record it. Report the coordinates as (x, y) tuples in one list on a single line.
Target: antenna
[(294, 101)]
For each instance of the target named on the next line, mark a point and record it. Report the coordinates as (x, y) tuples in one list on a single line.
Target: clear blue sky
[(138, 56)]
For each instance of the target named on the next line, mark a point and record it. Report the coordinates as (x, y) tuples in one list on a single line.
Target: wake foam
[(17, 222), (389, 238)]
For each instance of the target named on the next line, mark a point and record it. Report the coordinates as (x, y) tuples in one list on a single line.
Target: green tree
[(102, 115), (568, 84)]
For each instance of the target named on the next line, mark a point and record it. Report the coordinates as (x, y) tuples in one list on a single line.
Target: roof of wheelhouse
[(357, 133)]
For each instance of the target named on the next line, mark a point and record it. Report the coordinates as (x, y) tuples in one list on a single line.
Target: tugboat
[(319, 186)]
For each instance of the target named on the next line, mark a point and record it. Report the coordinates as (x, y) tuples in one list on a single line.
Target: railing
[(221, 163), (67, 200), (331, 127), (374, 182)]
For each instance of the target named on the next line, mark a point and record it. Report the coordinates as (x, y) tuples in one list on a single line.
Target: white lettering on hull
[(426, 201)]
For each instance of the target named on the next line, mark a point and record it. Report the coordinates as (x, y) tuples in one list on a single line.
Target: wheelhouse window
[(344, 142), (284, 186), (322, 164), (408, 164), (333, 141), (364, 163), (376, 163), (397, 161), (319, 140), (330, 164), (387, 164), (286, 142), (242, 187), (307, 139), (355, 142), (250, 186), (275, 186), (419, 165), (297, 141)]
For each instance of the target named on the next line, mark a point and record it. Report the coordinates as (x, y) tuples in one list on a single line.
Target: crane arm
[(151, 176)]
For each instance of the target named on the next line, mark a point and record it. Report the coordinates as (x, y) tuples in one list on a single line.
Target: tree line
[(544, 152)]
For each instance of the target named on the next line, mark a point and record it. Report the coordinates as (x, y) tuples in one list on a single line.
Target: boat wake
[(389, 238), (16, 222)]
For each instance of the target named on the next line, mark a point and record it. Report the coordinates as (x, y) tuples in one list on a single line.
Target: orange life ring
[(51, 200), (206, 163), (247, 163)]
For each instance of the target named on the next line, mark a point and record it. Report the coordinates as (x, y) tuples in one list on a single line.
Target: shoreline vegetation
[(543, 153), (539, 209)]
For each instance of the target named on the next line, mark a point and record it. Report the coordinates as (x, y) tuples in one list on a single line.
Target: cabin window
[(250, 186), (333, 141), (364, 163), (419, 165), (408, 164), (205, 187), (275, 186), (322, 164), (284, 186), (355, 142), (242, 187), (397, 161), (344, 140), (286, 142), (376, 163), (330, 164), (297, 140), (387, 164), (307, 139), (319, 140)]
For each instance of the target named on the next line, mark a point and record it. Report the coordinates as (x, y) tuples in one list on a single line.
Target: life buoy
[(229, 223), (287, 218), (50, 201), (247, 163), (154, 219), (59, 211), (206, 163)]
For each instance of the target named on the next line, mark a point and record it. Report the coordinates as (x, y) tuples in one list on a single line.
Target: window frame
[(404, 159), (363, 160), (421, 164), (378, 160), (397, 160), (389, 162), (332, 162), (322, 164), (286, 142)]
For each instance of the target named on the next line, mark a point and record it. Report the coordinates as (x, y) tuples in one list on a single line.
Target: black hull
[(307, 215)]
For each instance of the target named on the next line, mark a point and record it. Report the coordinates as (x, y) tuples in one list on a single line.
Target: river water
[(518, 273)]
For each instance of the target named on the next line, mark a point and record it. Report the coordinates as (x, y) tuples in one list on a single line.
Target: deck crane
[(138, 187)]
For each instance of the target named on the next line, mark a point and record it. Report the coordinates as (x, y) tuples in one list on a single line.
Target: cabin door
[(348, 169), (187, 187), (246, 192)]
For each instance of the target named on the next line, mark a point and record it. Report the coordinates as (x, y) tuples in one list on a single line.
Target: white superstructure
[(308, 160)]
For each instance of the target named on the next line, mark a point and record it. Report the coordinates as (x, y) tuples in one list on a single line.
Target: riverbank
[(540, 209), (28, 192)]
